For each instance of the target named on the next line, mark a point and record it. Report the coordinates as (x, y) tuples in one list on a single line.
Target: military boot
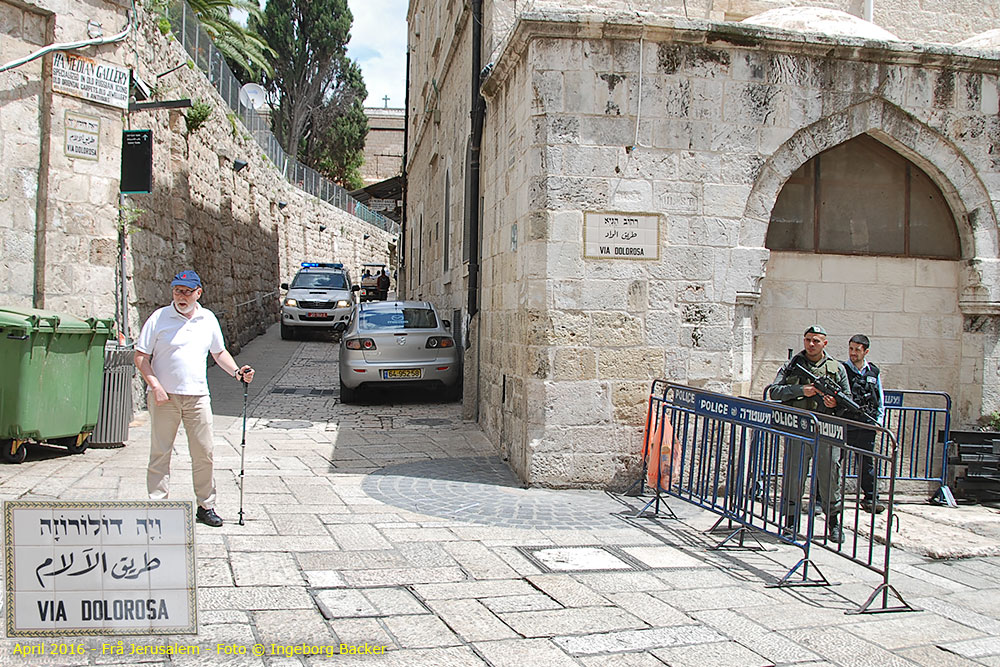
[(834, 531)]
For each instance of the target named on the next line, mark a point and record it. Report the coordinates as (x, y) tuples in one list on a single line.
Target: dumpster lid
[(34, 319)]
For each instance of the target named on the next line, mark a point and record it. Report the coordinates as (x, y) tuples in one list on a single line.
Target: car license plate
[(316, 315), (397, 373)]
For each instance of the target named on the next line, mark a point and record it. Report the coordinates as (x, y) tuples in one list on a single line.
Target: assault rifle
[(828, 387)]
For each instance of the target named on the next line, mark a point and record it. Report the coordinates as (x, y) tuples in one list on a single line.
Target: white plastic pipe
[(869, 11), (68, 46)]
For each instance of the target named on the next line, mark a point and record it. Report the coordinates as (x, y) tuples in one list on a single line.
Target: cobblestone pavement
[(392, 523)]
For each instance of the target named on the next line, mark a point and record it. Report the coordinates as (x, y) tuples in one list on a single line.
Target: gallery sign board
[(90, 79), (99, 568), (621, 235)]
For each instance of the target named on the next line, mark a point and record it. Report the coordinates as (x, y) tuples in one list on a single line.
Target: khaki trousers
[(196, 414), (797, 466)]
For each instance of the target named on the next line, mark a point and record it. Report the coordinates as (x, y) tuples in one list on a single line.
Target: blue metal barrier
[(734, 457), (920, 421)]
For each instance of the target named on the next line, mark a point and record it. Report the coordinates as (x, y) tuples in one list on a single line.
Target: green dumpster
[(50, 389)]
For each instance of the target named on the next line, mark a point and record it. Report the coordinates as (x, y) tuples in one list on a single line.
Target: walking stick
[(243, 443)]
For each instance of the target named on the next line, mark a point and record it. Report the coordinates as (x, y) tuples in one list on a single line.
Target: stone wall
[(907, 307), (945, 21), (564, 346), (243, 232), (58, 214), (439, 133), (569, 344), (383, 145), (942, 21), (229, 226)]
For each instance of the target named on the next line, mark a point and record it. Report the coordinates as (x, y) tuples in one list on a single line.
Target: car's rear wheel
[(287, 332), (347, 395), (453, 393)]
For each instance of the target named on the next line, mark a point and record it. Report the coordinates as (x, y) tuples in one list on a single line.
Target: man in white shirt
[(171, 354)]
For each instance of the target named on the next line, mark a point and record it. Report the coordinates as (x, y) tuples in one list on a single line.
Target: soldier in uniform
[(794, 388), (866, 389)]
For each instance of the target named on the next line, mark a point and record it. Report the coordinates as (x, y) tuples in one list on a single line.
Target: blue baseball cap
[(186, 279)]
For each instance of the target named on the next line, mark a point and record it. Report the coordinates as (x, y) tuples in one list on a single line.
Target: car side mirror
[(284, 286), (340, 327), (446, 323), (355, 288)]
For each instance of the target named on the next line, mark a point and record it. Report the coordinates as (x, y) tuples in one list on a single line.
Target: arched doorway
[(862, 240)]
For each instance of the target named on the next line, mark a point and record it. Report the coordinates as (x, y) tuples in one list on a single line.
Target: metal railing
[(209, 60), (920, 421), (757, 465)]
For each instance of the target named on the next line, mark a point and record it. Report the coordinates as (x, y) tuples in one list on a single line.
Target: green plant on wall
[(197, 115), (128, 216), (990, 422), (160, 9), (232, 123)]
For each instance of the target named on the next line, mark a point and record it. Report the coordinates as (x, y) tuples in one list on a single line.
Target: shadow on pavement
[(472, 470), (389, 396)]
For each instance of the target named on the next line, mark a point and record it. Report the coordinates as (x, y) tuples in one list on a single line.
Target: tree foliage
[(319, 90), (246, 52)]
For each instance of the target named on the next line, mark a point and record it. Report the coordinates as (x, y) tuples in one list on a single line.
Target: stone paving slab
[(426, 631), (521, 652), (567, 591), (743, 628), (911, 630), (637, 640), (576, 620), (471, 620), (715, 654), (402, 576), (508, 603), (393, 523), (842, 648), (974, 648)]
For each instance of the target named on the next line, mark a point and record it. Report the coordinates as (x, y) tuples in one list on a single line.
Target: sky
[(378, 44)]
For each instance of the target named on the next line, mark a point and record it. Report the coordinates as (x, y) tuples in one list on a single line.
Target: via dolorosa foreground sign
[(99, 568)]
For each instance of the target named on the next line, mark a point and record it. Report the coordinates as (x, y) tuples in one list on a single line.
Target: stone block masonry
[(60, 214), (722, 128)]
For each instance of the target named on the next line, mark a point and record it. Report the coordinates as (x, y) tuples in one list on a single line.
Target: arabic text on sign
[(124, 568)]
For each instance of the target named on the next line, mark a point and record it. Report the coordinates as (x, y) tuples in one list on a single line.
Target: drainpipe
[(401, 247), (869, 12), (472, 202), (478, 114)]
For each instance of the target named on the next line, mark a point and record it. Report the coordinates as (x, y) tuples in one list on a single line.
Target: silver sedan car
[(396, 343)]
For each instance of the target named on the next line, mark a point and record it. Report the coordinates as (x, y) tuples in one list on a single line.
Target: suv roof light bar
[(324, 265)]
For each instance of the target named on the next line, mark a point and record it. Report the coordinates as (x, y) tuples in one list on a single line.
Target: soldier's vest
[(864, 388), (830, 368)]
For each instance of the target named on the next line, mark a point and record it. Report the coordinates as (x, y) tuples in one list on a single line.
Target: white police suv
[(320, 295)]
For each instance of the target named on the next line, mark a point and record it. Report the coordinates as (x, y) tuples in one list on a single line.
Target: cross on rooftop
[(386, 101)]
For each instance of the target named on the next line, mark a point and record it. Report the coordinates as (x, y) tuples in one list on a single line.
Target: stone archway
[(951, 291), (916, 141)]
